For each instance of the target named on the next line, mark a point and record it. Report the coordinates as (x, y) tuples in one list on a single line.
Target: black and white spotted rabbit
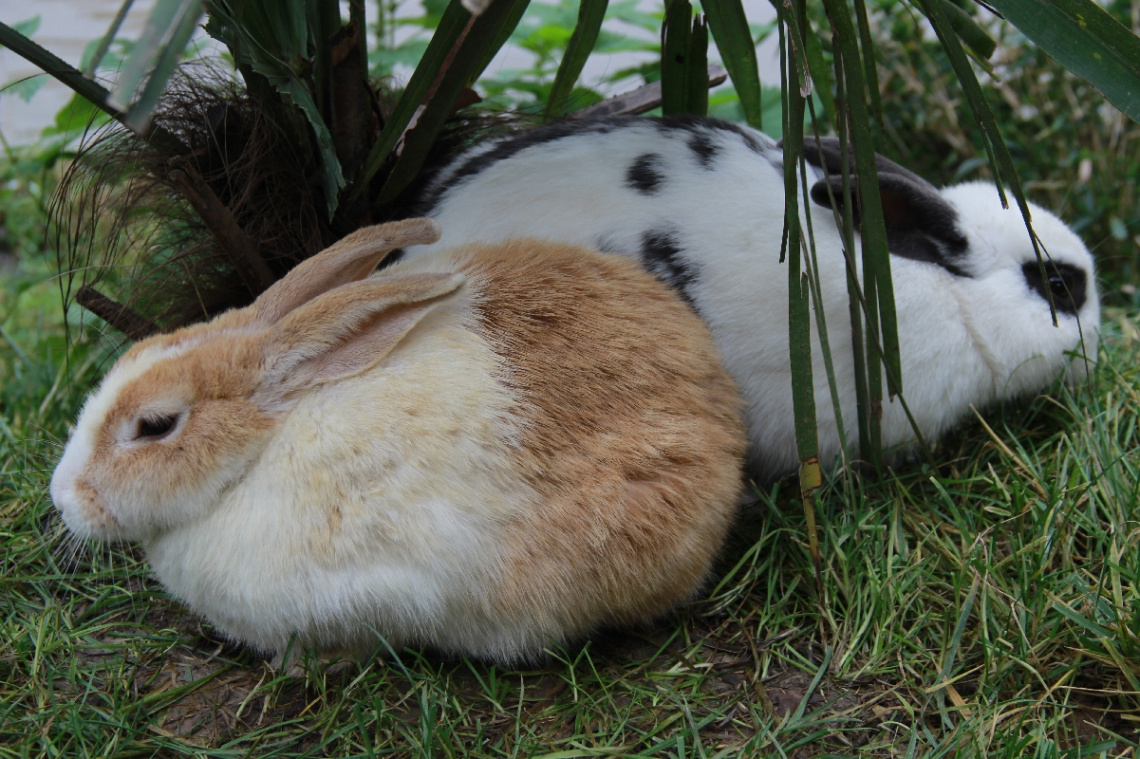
[(700, 203)]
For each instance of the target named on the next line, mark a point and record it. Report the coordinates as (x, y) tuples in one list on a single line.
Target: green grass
[(990, 607)]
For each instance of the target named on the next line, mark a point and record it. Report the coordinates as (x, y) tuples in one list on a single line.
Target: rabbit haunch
[(490, 450), (700, 203)]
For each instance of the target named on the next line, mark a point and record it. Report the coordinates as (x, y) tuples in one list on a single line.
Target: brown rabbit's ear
[(350, 329), (351, 259)]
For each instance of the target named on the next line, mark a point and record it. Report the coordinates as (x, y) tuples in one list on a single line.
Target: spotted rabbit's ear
[(828, 156), (349, 260), (921, 224)]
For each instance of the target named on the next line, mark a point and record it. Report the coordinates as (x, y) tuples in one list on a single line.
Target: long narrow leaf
[(57, 68), (975, 37), (697, 61), (799, 307), (729, 27), (821, 77), (1000, 158), (869, 68), (878, 291), (1085, 39), (675, 37), (500, 37), (105, 43), (324, 19), (591, 14), (794, 79), (464, 67), (152, 58), (451, 26), (855, 301), (140, 113)]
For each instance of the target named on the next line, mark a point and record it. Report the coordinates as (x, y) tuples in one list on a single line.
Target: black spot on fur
[(661, 256), (702, 128), (1067, 284), (644, 174), (703, 148)]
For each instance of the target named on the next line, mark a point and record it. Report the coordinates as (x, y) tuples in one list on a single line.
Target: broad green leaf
[(26, 88), (1085, 39), (75, 117), (729, 27), (591, 14)]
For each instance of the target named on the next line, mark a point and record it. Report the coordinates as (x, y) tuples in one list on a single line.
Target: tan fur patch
[(633, 436)]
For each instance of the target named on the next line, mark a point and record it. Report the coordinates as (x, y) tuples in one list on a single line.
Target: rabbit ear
[(921, 224), (828, 157), (351, 259), (349, 330)]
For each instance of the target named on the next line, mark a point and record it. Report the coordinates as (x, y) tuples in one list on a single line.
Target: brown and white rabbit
[(488, 450)]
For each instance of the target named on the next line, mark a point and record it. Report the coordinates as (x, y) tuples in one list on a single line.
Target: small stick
[(124, 319), (234, 242), (644, 98)]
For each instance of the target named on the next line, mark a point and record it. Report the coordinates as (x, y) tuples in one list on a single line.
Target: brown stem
[(231, 238), (639, 100), (124, 319)]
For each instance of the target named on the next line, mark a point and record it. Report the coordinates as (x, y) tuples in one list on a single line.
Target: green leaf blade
[(676, 35), (729, 28), (1085, 39), (591, 14), (153, 57)]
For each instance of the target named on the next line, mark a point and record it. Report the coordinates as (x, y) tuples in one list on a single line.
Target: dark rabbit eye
[(155, 427), (1065, 283)]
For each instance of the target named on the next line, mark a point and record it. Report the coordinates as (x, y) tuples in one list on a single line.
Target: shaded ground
[(207, 693)]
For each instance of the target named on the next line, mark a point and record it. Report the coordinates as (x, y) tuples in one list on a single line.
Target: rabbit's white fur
[(700, 203), (345, 458)]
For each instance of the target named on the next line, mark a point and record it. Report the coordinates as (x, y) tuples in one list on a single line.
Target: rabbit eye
[(1063, 283), (155, 427)]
